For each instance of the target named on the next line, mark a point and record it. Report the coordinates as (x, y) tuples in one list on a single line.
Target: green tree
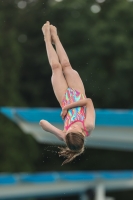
[(99, 46), (13, 144)]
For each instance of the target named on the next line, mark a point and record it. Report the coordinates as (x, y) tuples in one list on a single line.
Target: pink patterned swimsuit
[(75, 114)]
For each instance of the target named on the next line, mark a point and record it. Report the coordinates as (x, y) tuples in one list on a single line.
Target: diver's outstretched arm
[(52, 129)]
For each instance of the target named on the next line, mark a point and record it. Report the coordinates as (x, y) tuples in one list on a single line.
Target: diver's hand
[(63, 113)]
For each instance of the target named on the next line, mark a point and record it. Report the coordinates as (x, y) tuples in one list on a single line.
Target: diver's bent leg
[(58, 80), (62, 55), (72, 76), (59, 83), (51, 53), (73, 79)]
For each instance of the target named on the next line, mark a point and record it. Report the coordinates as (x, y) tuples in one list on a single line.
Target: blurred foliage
[(18, 152), (99, 46)]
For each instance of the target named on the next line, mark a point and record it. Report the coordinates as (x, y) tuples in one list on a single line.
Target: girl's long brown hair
[(75, 146)]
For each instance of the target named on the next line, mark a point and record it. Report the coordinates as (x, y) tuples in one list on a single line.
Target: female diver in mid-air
[(77, 111)]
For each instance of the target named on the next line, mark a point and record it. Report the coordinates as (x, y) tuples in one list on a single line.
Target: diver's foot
[(46, 31), (53, 31)]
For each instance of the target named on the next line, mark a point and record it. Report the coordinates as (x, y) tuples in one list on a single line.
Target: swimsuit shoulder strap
[(87, 133)]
